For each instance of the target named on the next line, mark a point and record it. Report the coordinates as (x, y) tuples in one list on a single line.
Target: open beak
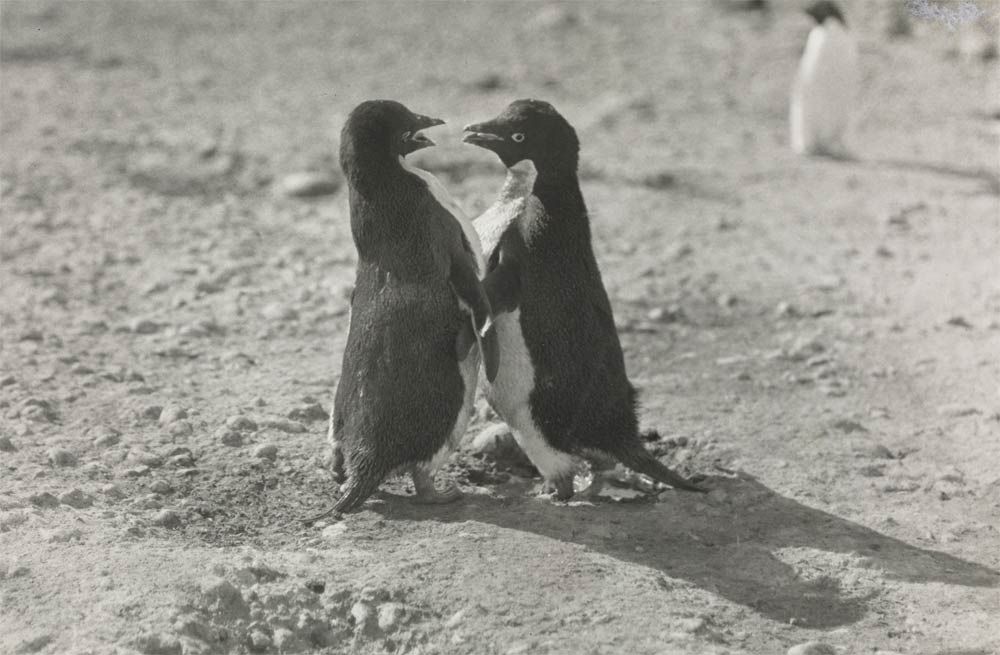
[(481, 134), (418, 140)]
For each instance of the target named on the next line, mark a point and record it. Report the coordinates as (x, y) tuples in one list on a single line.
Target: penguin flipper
[(472, 296), (503, 286), (489, 346)]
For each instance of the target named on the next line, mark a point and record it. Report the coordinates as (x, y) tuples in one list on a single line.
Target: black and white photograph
[(500, 327)]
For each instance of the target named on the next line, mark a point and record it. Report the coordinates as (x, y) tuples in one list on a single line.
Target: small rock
[(489, 82), (181, 428), (668, 314), (555, 16), (220, 596), (160, 643), (876, 451), (34, 643), (144, 326), (282, 424), (786, 310), (266, 451), (152, 460), (167, 518), (803, 348), (334, 531), (228, 437), (105, 436), (7, 380), (848, 426), (691, 625), (365, 621), (812, 648), (279, 312), (172, 413), (308, 184), (113, 491), (259, 641), (956, 410), (152, 412), (456, 619), (43, 499), (6, 445), (680, 251), (61, 457), (285, 640), (308, 412), (242, 423), (390, 616), (160, 487), (63, 535), (518, 649), (136, 471), (959, 321), (76, 498)]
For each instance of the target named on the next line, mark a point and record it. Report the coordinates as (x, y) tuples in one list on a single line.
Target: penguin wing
[(503, 281), (472, 296)]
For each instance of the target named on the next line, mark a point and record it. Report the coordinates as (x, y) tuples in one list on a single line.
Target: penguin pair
[(418, 309), (826, 85)]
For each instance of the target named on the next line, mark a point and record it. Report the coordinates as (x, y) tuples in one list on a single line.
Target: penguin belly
[(825, 91), (510, 396)]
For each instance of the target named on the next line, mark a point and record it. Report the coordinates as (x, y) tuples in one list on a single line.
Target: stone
[(33, 643), (282, 424), (61, 457), (812, 648), (181, 428), (167, 518), (6, 445), (365, 620), (228, 437), (44, 500), (308, 412), (144, 326), (76, 498), (266, 451), (957, 410), (159, 643), (104, 437), (220, 596), (160, 487), (241, 423), (390, 616), (172, 413), (259, 641)]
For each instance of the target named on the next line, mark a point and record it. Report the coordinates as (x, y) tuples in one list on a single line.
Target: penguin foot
[(427, 494), (560, 488)]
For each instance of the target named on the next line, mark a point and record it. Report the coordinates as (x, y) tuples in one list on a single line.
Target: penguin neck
[(558, 189)]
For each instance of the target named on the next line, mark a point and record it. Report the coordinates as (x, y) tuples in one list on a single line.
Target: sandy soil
[(820, 339)]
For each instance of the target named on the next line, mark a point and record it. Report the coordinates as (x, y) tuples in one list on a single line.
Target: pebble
[(390, 616), (239, 422), (668, 314), (219, 595), (63, 535), (365, 621), (259, 641), (6, 445), (456, 619), (112, 491), (160, 487), (228, 437), (167, 518), (812, 648), (61, 457), (159, 643), (34, 643), (146, 458), (282, 424), (7, 380), (308, 412), (172, 413), (956, 410), (182, 459), (181, 428), (76, 498), (285, 640), (105, 436), (308, 184), (334, 531), (144, 326), (849, 426), (278, 312), (43, 499), (266, 451), (691, 625), (136, 471), (152, 412), (803, 348)]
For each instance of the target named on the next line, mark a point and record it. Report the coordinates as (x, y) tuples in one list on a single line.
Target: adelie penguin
[(562, 386), (826, 86), (410, 368)]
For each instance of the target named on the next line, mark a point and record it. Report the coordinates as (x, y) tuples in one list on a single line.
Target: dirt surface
[(820, 339)]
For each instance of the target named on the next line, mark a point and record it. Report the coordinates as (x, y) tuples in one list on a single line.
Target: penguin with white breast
[(826, 86), (562, 385), (409, 374)]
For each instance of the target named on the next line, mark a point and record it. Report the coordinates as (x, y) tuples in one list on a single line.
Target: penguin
[(410, 371), (826, 86), (562, 386)]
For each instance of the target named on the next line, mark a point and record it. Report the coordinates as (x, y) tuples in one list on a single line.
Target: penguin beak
[(482, 135), (417, 140)]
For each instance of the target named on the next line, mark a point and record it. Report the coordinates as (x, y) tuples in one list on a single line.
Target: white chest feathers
[(515, 205), (825, 90), (445, 200)]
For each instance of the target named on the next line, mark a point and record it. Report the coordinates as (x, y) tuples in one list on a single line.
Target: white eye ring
[(517, 137), (406, 136)]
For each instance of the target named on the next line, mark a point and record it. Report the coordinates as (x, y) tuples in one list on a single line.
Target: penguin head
[(383, 129), (823, 9), (528, 129)]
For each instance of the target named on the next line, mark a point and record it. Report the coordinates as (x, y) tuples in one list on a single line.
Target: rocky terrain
[(819, 339)]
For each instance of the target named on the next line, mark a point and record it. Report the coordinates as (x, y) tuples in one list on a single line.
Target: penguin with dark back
[(563, 387), (409, 373)]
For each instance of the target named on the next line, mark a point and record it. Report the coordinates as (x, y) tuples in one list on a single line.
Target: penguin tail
[(635, 456), (356, 490)]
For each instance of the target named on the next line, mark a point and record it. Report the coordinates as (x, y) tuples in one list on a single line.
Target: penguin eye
[(406, 136), (517, 137)]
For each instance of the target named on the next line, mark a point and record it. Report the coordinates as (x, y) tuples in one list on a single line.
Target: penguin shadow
[(745, 542)]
